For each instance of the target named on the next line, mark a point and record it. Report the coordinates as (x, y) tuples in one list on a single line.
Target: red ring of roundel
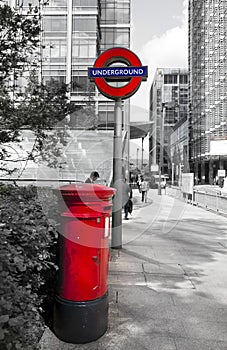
[(115, 54)]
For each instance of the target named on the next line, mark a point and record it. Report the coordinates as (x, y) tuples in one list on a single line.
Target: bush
[(27, 268)]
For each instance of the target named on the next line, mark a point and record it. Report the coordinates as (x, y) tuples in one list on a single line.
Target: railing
[(174, 191), (211, 201), (214, 201)]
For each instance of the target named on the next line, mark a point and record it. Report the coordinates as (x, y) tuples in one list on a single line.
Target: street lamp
[(165, 105), (137, 158), (142, 155), (161, 145)]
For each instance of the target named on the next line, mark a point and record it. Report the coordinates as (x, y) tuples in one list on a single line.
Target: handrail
[(215, 201)]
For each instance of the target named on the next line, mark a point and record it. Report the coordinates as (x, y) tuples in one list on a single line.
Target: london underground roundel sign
[(105, 71)]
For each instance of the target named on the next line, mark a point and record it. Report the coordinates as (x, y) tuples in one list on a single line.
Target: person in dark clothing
[(93, 177), (126, 196)]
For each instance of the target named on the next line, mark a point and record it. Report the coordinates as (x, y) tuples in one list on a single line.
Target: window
[(81, 84), (83, 48), (26, 3), (183, 79), (84, 23), (60, 79), (55, 48), (115, 12), (85, 2), (57, 3), (170, 79), (112, 37), (55, 23)]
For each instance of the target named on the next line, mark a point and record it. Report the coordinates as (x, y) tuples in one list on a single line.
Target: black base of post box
[(80, 322)]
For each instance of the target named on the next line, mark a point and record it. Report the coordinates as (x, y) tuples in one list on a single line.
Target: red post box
[(81, 303)]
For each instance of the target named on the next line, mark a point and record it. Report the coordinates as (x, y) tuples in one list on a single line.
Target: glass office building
[(168, 106), (115, 31), (74, 33), (207, 88)]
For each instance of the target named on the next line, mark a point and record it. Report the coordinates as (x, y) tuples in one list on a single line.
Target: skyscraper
[(207, 88), (71, 41), (168, 105), (75, 32)]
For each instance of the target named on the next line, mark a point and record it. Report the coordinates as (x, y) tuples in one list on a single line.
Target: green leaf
[(16, 321), (4, 319), (2, 333)]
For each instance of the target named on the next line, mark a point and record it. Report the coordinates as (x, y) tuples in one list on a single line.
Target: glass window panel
[(75, 49), (83, 51), (183, 79), (54, 48), (85, 3), (25, 3), (109, 37), (82, 23), (122, 39), (54, 23), (170, 79), (123, 15), (92, 51), (80, 83), (110, 15), (61, 79), (57, 3), (83, 48), (102, 116)]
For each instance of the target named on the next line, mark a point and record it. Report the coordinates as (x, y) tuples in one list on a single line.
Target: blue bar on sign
[(117, 72)]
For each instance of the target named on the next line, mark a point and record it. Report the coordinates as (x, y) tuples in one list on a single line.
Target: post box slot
[(107, 208)]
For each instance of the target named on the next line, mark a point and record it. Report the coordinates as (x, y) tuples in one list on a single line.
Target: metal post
[(116, 241), (173, 167)]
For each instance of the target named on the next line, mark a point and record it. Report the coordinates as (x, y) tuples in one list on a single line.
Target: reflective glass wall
[(74, 33), (71, 41)]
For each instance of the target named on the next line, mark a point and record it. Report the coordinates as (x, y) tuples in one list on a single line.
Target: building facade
[(179, 150), (74, 33), (168, 105), (207, 88), (115, 31)]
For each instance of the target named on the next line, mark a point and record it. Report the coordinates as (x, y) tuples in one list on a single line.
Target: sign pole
[(104, 71), (116, 241)]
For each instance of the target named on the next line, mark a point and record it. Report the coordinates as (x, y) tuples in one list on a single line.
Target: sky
[(159, 38)]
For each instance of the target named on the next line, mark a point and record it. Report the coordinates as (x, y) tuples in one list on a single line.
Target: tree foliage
[(19, 39), (27, 267), (35, 106)]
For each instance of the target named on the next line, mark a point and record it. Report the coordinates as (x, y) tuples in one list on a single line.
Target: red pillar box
[(81, 305)]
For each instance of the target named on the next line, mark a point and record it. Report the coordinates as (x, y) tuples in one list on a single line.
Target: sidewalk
[(167, 285)]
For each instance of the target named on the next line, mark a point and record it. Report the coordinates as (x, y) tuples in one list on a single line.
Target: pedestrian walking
[(138, 182), (144, 185), (126, 198), (93, 177)]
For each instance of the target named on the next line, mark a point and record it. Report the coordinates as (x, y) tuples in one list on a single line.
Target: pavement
[(168, 283)]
